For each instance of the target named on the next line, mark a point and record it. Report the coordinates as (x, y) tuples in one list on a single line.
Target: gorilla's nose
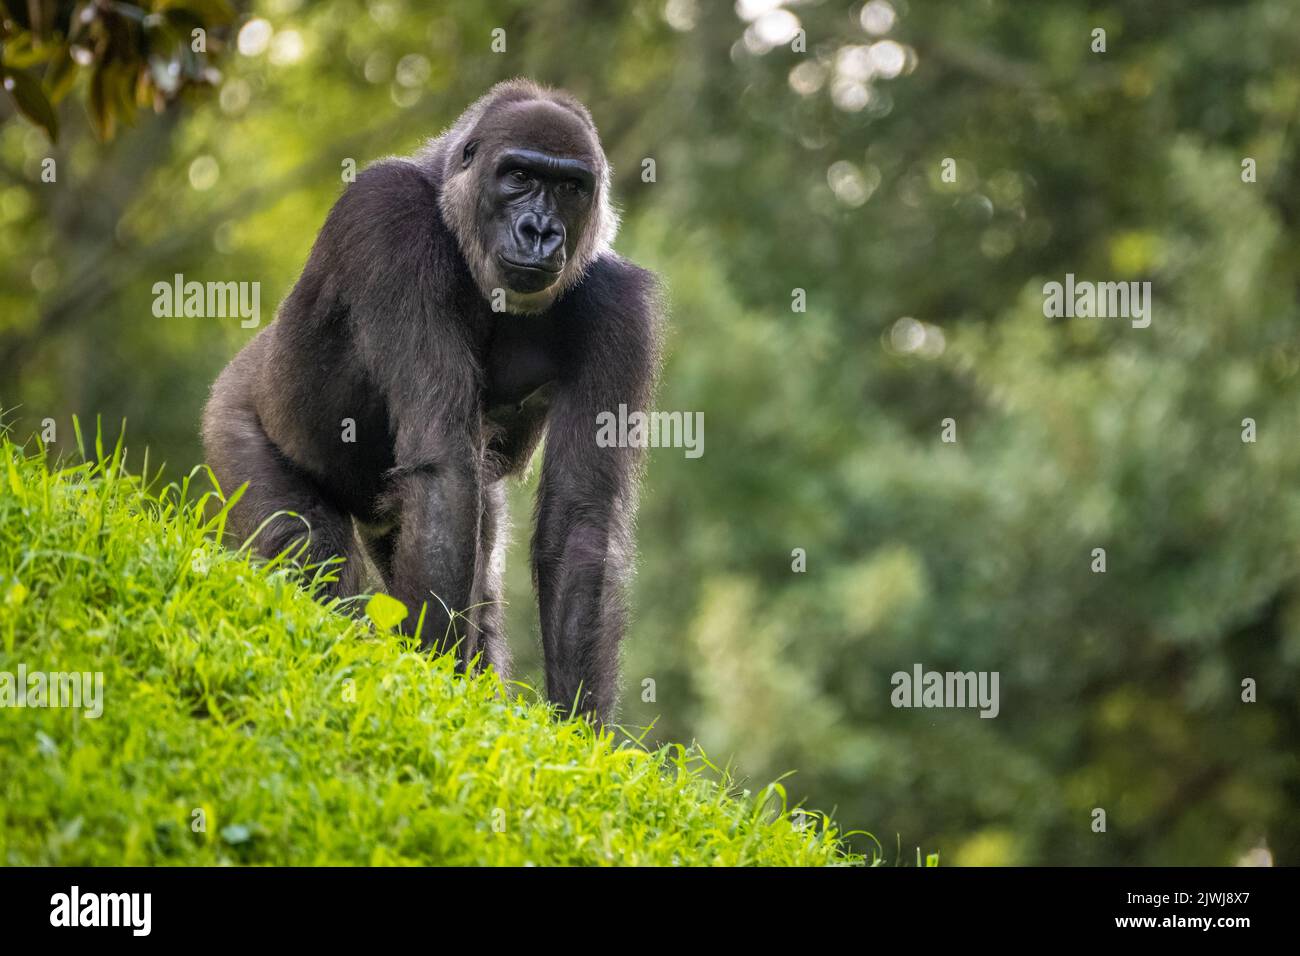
[(541, 238)]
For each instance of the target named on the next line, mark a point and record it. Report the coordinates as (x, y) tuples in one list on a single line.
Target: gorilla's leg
[(239, 451), (489, 608)]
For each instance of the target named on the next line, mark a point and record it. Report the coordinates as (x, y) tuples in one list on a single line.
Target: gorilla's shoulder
[(388, 214), (618, 308), (388, 186), (611, 278)]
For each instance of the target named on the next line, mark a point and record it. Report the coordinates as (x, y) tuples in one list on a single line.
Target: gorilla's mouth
[(528, 276), (530, 267)]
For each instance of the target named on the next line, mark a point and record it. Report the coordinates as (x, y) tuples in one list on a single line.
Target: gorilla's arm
[(586, 502), (410, 304)]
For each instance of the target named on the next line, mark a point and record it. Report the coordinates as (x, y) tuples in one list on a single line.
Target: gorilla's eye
[(520, 177), (571, 187)]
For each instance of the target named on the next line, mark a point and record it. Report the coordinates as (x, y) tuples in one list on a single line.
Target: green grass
[(245, 723)]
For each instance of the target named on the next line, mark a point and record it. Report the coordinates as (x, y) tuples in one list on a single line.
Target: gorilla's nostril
[(539, 237), (551, 244), (528, 232)]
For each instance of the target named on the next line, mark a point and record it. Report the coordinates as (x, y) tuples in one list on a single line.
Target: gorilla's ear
[(468, 155)]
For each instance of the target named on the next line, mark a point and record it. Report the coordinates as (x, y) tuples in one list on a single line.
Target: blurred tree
[(1120, 690), (136, 54)]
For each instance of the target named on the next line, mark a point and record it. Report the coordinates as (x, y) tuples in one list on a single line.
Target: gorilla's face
[(536, 205), (525, 190)]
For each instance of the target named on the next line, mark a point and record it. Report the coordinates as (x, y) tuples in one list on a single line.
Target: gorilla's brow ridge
[(548, 164)]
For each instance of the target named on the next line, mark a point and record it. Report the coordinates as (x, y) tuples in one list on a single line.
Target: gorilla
[(458, 305)]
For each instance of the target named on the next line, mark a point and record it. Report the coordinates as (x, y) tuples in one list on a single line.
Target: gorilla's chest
[(520, 360)]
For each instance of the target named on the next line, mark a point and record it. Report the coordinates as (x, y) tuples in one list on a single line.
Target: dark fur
[(390, 325)]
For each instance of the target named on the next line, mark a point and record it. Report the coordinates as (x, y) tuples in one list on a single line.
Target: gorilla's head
[(525, 188)]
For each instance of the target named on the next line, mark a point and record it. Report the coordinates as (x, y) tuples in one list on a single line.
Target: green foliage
[(134, 54), (243, 722), (1120, 690)]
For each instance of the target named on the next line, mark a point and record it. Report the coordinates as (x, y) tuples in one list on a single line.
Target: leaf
[(100, 105), (61, 74), (17, 594), (122, 80), (25, 50), (15, 483), (30, 99), (387, 612), (72, 830)]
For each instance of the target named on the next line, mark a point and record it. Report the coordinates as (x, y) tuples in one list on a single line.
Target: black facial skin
[(539, 205), (388, 327)]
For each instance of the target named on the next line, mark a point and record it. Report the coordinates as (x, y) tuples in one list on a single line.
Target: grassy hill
[(242, 722)]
